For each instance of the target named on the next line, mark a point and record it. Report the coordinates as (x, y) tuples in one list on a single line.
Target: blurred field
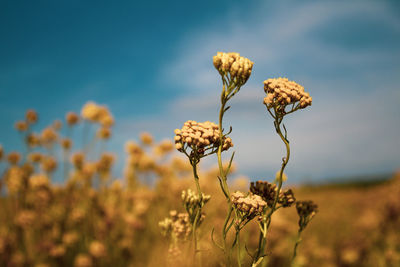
[(96, 219)]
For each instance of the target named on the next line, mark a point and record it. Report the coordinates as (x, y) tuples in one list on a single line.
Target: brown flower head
[(31, 116), (72, 118), (201, 137), (13, 158), (21, 126), (281, 93), (238, 68), (268, 192)]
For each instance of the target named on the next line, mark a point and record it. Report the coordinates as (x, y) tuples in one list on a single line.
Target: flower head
[(202, 137), (239, 68), (281, 92)]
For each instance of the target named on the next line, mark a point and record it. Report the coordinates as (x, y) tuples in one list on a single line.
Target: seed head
[(31, 116), (201, 137), (281, 92), (72, 118), (13, 158), (239, 68), (249, 206)]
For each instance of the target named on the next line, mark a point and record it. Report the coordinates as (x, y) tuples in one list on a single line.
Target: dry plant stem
[(223, 178), (267, 222), (198, 213), (298, 241), (238, 247)]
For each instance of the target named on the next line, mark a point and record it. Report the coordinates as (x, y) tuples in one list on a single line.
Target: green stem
[(238, 247), (262, 243), (298, 241), (198, 212)]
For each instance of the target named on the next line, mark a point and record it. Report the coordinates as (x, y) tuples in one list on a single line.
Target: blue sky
[(151, 64)]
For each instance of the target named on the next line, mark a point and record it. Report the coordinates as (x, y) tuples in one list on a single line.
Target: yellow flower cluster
[(200, 136), (250, 205), (282, 92), (238, 67), (96, 113), (39, 181), (178, 225), (191, 198)]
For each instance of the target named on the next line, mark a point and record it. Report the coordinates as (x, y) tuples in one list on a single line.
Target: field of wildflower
[(62, 205)]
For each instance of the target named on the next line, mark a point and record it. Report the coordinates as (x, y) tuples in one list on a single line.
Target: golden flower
[(90, 111), (107, 120), (97, 249), (133, 148), (282, 92), (104, 133), (13, 158), (78, 159), (70, 238), (49, 135), (57, 251), (14, 179), (72, 118), (31, 116), (49, 164), (21, 126), (57, 125), (39, 181), (35, 157), (83, 260), (25, 218), (105, 162), (66, 143), (239, 68), (146, 138), (32, 140), (200, 137)]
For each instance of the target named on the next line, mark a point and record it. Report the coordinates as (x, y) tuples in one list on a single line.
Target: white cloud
[(351, 127)]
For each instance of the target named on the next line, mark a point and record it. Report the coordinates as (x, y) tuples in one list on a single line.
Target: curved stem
[(198, 212), (298, 241), (267, 222)]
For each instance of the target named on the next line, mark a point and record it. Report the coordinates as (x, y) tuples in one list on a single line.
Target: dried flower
[(146, 138), (202, 137), (104, 133), (306, 211), (49, 135), (57, 125), (66, 143), (33, 140), (83, 260), (13, 158), (97, 249), (268, 193), (78, 159), (239, 68), (281, 92), (39, 181), (35, 157), (31, 116), (72, 118), (249, 206), (49, 164), (21, 126)]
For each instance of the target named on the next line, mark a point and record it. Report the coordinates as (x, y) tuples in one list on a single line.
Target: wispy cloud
[(353, 124)]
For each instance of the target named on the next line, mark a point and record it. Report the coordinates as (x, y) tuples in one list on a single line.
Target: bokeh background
[(150, 62)]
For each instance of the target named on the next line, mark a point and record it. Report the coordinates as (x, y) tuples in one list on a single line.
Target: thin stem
[(238, 247), (298, 241), (267, 222), (198, 212)]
